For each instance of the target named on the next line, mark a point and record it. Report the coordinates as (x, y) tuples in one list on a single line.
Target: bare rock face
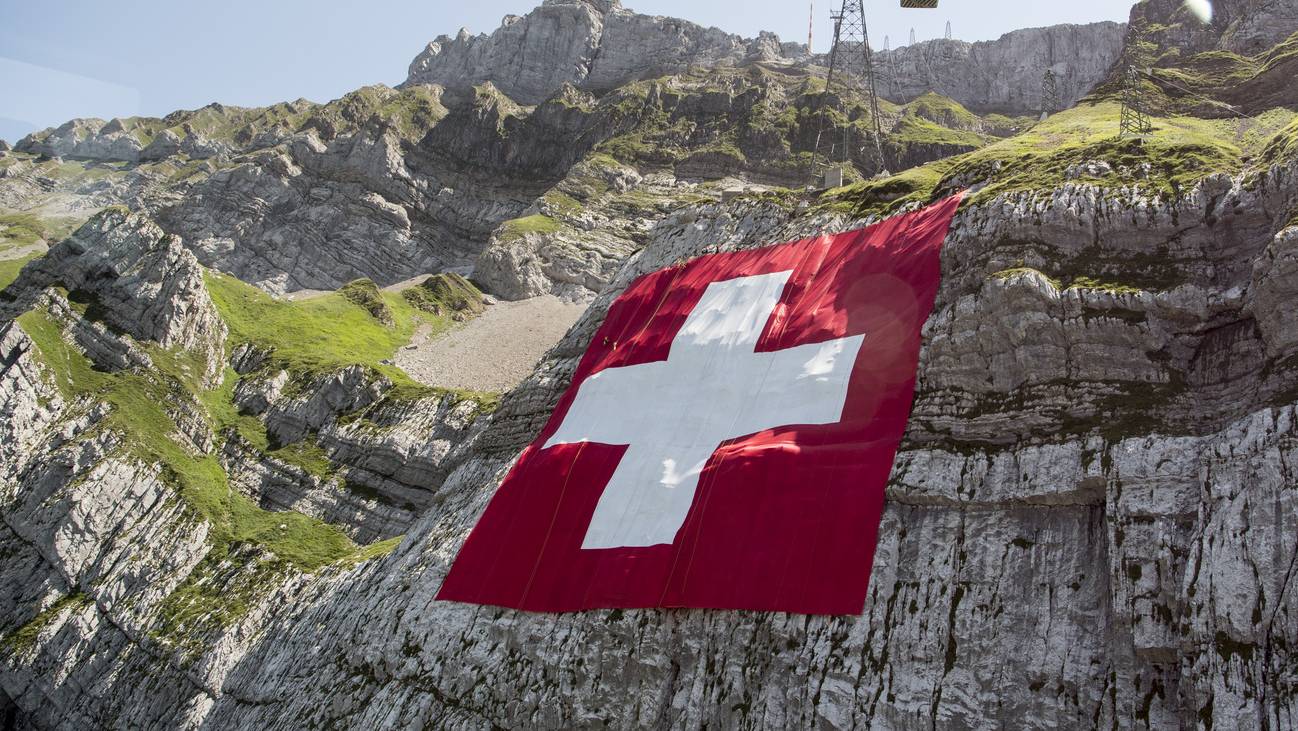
[(1004, 75), (86, 138), (595, 45), (598, 47), (1246, 27)]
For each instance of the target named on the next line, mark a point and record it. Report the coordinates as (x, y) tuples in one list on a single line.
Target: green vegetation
[(534, 224), (217, 593), (410, 111), (9, 269), (882, 197), (1179, 152), (321, 335), (1072, 281), (914, 130), (24, 638), (1103, 286), (378, 549), (21, 230), (140, 413), (1282, 146), (364, 293), (1013, 272), (943, 110), (446, 294), (558, 203)]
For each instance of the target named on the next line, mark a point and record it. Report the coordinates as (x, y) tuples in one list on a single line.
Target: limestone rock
[(591, 45), (86, 138), (135, 278), (1004, 75)]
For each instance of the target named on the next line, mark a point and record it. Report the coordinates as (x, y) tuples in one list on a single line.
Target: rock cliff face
[(1093, 484), (1246, 27), (595, 45), (600, 46), (220, 509), (1004, 75)]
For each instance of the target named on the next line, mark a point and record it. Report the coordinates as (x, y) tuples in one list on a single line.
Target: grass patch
[(378, 549), (139, 412), (1282, 146), (942, 110), (306, 454), (1179, 152), (9, 269), (21, 640), (519, 227), (223, 415), (912, 130), (560, 204), (1065, 281), (217, 593), (446, 294), (364, 293), (1013, 272), (320, 335), (20, 230), (882, 197)]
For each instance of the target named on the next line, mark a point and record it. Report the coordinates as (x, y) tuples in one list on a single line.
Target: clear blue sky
[(61, 59)]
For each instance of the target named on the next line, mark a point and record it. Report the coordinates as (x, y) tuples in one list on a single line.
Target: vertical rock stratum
[(225, 508)]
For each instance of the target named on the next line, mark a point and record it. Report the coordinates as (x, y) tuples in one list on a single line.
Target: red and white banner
[(727, 437)]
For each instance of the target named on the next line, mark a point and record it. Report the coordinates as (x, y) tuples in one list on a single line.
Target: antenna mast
[(811, 23)]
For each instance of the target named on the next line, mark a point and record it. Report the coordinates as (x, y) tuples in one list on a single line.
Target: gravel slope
[(493, 351)]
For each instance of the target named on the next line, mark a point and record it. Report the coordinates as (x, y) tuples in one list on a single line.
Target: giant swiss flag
[(727, 437)]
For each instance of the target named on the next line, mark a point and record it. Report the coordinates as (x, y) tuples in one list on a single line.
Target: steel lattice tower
[(852, 64), (1135, 118), (1050, 102)]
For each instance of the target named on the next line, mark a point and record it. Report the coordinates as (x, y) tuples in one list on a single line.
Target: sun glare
[(1202, 9)]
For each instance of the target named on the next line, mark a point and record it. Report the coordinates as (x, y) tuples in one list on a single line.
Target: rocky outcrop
[(591, 44), (1004, 75), (1089, 522), (1246, 27), (86, 138), (135, 278)]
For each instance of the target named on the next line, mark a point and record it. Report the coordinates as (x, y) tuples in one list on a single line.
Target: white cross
[(673, 414)]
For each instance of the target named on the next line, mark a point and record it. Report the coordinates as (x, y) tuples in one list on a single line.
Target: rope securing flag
[(727, 436)]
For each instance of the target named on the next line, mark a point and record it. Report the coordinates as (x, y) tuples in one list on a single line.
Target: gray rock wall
[(1004, 75), (1089, 524), (594, 48)]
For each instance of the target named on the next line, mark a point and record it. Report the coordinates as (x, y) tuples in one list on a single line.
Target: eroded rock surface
[(1088, 524)]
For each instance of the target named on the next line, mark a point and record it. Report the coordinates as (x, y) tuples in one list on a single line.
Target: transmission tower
[(1134, 120), (852, 62), (948, 30), (1049, 93), (1134, 116), (912, 36)]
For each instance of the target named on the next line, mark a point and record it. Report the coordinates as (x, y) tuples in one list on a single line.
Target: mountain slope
[(204, 487)]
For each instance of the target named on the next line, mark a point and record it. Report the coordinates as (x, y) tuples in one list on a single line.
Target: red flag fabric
[(727, 436)]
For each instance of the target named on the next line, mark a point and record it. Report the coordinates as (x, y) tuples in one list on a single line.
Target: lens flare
[(1202, 9)]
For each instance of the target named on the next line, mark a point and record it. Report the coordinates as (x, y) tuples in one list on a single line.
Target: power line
[(1232, 109)]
